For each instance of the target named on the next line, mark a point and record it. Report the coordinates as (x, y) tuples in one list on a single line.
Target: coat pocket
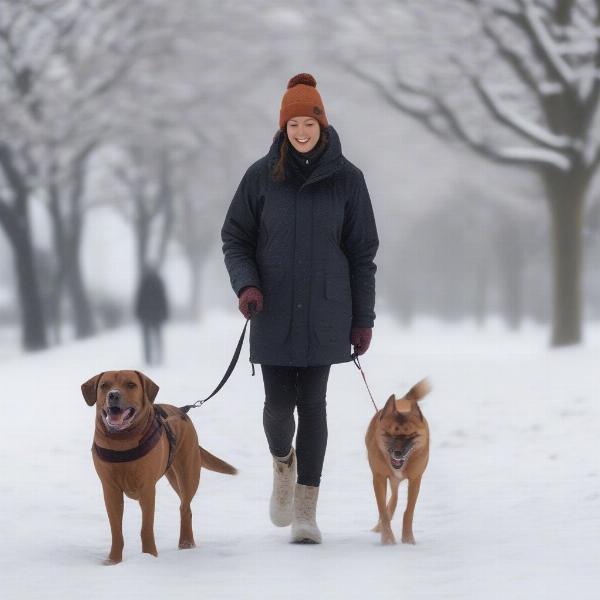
[(335, 312)]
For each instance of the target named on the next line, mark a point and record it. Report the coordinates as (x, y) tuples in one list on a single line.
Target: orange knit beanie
[(301, 99)]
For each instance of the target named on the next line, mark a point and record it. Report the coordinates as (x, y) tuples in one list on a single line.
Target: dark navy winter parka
[(309, 247)]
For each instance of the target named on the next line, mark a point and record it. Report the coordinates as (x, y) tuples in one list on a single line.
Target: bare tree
[(467, 257), (67, 223), (66, 61), (148, 203), (515, 81), (17, 165), (97, 47), (14, 219), (196, 224), (182, 141)]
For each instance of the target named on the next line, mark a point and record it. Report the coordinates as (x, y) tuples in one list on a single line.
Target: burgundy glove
[(360, 338), (248, 296)]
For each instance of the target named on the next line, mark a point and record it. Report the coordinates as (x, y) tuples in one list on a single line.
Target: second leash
[(358, 366)]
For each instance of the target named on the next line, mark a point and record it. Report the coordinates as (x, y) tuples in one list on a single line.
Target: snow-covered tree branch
[(517, 82)]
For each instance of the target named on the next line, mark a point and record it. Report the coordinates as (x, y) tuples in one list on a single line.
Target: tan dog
[(134, 446), (398, 448)]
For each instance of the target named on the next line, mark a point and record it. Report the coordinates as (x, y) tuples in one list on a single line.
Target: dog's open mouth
[(117, 419), (397, 463), (398, 458)]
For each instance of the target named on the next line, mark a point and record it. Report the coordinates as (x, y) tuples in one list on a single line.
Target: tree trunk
[(66, 247), (166, 213), (80, 303), (509, 250), (83, 319), (32, 316), (58, 239), (566, 196), (14, 219), (142, 236), (480, 296), (513, 297)]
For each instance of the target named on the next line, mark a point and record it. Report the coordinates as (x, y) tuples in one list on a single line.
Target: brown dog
[(135, 444), (398, 448)]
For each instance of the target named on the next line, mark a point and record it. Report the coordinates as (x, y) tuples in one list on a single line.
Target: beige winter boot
[(282, 497), (304, 522)]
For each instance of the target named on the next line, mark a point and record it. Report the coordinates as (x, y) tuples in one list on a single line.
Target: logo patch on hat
[(317, 111)]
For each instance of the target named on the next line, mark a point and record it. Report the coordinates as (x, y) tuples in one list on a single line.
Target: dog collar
[(147, 443)]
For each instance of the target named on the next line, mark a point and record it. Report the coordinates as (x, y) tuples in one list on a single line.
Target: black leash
[(230, 368), (234, 360), (357, 363)]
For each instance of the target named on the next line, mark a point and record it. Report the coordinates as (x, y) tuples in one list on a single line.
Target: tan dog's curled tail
[(419, 390), (212, 463)]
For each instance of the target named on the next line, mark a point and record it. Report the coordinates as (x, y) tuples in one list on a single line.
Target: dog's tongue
[(115, 419)]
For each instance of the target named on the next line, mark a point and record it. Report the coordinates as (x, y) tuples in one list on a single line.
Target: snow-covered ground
[(509, 506), (10, 342)]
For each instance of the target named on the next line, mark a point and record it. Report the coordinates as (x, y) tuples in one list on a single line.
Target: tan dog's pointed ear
[(150, 388), (419, 390), (89, 389), (390, 407)]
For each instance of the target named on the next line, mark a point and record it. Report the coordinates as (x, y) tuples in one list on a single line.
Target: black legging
[(303, 388)]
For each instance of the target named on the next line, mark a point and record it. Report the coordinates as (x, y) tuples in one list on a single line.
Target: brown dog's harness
[(147, 443)]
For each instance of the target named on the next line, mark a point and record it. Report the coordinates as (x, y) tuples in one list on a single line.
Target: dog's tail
[(212, 463), (419, 390)]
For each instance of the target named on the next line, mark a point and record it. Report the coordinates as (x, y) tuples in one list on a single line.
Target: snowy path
[(509, 506)]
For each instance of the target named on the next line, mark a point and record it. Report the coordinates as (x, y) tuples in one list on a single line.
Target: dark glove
[(250, 295), (360, 338)]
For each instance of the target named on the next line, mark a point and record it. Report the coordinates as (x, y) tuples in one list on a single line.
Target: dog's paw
[(377, 528), (111, 561), (408, 538), (187, 544), (387, 538)]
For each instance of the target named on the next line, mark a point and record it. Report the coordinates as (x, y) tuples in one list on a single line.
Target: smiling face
[(120, 397), (303, 133)]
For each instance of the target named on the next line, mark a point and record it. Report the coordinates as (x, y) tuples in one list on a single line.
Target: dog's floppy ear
[(390, 407), (419, 390), (89, 389), (150, 388)]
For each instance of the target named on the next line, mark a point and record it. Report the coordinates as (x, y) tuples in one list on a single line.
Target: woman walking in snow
[(299, 241)]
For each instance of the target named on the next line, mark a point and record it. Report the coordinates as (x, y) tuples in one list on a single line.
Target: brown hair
[(279, 168)]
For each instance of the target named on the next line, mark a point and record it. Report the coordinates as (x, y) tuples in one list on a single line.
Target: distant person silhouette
[(152, 310)]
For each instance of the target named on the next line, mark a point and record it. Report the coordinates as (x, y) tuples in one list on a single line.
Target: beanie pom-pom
[(302, 78)]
